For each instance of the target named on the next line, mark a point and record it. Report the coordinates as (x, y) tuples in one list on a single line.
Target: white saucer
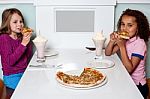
[(49, 53), (101, 64)]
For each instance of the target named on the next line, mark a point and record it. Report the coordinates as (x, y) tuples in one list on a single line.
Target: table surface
[(40, 82)]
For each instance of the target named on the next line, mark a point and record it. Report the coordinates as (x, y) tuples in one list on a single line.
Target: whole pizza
[(88, 78)]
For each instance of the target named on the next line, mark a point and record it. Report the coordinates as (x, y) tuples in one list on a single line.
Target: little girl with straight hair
[(15, 48)]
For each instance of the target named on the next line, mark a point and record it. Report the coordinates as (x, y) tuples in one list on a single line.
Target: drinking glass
[(40, 47), (99, 43)]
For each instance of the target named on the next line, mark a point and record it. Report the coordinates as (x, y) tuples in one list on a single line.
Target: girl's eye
[(15, 22), (18, 22), (130, 25), (122, 24), (21, 21)]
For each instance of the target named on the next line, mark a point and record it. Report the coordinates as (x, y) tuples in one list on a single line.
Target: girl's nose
[(124, 28), (19, 24)]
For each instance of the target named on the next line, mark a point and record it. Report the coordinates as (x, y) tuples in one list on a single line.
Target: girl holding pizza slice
[(132, 51), (15, 48)]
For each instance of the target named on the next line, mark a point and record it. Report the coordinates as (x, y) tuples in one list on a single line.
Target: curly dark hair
[(142, 23)]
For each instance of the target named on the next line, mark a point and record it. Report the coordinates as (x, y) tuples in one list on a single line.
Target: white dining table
[(40, 82)]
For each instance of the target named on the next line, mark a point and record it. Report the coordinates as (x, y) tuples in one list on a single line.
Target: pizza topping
[(67, 78), (27, 30), (124, 35), (87, 77)]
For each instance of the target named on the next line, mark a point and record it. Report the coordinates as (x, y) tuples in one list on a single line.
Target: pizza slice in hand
[(26, 30), (124, 35)]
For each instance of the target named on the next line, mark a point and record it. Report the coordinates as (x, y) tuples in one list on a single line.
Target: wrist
[(23, 44), (122, 48)]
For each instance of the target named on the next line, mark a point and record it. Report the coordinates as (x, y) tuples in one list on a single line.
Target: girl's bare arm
[(112, 47), (130, 64)]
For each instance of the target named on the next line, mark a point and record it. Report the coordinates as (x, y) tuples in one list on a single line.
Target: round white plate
[(87, 88), (101, 64), (49, 53), (78, 72)]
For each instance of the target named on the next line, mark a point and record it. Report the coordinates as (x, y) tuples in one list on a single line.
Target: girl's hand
[(113, 37), (112, 47), (26, 38), (120, 42)]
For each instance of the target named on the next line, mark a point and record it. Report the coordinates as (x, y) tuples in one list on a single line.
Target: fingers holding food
[(113, 36), (27, 33)]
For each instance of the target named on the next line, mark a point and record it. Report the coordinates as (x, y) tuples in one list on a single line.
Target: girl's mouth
[(19, 29)]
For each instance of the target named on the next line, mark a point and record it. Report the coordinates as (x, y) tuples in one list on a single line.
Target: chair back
[(2, 90)]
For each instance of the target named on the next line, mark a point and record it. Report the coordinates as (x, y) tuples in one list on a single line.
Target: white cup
[(40, 46), (99, 43)]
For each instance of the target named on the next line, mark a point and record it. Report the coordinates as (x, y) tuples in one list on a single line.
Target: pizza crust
[(124, 37), (82, 85), (26, 30)]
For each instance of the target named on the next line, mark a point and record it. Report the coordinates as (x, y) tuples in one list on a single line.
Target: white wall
[(133, 1), (45, 22)]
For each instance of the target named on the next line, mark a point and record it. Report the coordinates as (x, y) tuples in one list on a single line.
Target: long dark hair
[(142, 23), (6, 17)]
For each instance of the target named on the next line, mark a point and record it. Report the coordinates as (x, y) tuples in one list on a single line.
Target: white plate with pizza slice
[(82, 79), (101, 64)]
